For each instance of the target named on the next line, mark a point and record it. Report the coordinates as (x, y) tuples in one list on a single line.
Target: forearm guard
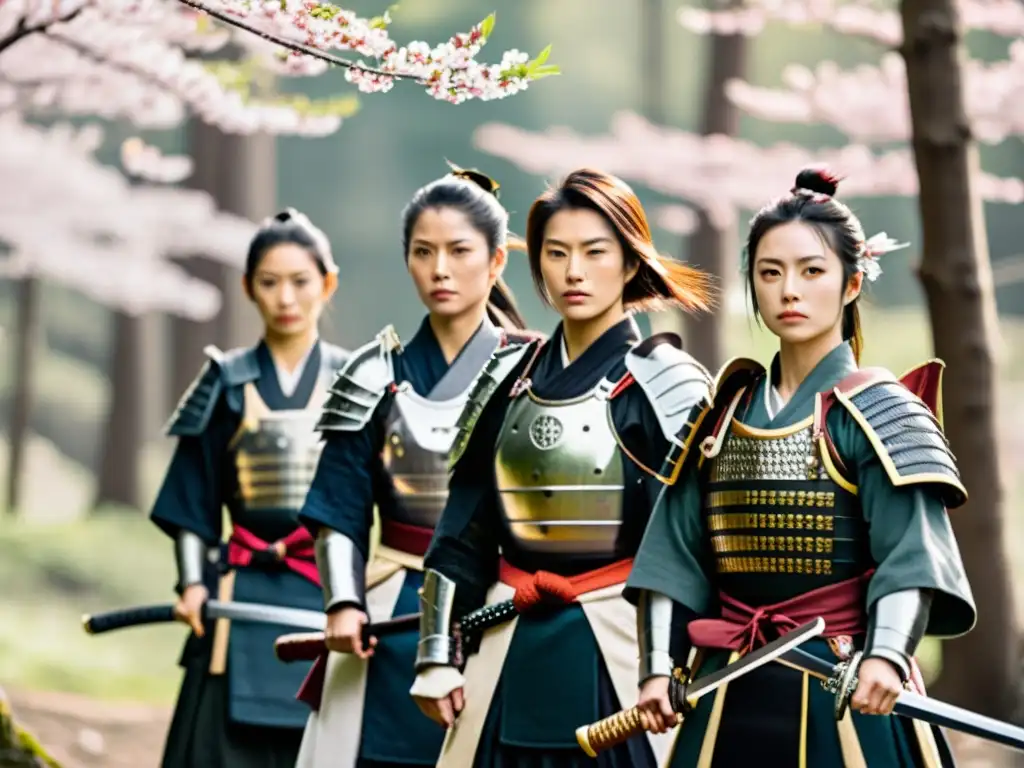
[(190, 555), (437, 644), (342, 570), (896, 626), (654, 634)]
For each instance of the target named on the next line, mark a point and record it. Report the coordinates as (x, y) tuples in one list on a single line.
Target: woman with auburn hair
[(555, 470), (814, 488)]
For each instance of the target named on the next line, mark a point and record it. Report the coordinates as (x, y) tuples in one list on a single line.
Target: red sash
[(298, 551)]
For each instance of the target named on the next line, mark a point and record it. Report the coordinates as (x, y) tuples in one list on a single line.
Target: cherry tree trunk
[(119, 479), (29, 338), (979, 670), (712, 248)]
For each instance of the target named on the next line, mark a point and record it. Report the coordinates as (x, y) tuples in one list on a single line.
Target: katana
[(163, 613), (683, 695), (841, 681)]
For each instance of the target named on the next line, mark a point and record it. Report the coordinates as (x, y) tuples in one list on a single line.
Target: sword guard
[(677, 690), (842, 683)]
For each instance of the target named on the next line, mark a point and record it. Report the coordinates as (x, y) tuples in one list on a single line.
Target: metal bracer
[(437, 599), (190, 555), (654, 634), (342, 570), (896, 625)]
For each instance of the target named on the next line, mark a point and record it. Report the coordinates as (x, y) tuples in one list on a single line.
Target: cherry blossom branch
[(23, 28), (82, 224), (882, 25), (869, 103), (719, 174)]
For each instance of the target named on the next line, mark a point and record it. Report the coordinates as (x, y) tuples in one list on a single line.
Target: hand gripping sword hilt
[(843, 683), (622, 726)]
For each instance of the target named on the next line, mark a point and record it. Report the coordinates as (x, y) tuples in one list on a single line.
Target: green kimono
[(769, 508)]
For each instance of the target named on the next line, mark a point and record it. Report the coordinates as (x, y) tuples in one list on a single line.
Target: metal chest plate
[(275, 457), (559, 474), (418, 437)]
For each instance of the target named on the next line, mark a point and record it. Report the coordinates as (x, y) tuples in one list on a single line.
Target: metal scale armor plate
[(418, 437), (779, 523), (559, 474)]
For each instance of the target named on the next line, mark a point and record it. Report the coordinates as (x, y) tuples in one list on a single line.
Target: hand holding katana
[(344, 633), (189, 608)]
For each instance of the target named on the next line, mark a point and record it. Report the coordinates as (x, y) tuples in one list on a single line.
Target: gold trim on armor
[(832, 470), (750, 543), (745, 430), (807, 566), (711, 445), (804, 701), (723, 521), (883, 455), (618, 441), (707, 748), (771, 497)]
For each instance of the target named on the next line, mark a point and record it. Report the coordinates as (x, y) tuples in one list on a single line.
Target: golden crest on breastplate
[(559, 473)]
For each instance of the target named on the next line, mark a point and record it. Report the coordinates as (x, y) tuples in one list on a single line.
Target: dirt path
[(83, 733), (80, 732)]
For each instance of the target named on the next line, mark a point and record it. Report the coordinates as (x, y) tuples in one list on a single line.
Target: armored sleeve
[(907, 440), (195, 408), (360, 385), (910, 537)]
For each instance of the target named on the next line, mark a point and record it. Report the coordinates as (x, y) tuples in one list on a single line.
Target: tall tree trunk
[(240, 172), (713, 249), (29, 338), (119, 477), (979, 670)]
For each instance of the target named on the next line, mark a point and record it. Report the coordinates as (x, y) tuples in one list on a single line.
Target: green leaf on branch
[(487, 26), (541, 58), (545, 71)]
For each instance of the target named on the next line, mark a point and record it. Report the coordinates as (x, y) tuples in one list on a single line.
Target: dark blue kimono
[(247, 716), (350, 480)]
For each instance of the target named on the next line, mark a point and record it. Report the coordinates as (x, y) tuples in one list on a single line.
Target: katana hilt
[(842, 683), (622, 726)]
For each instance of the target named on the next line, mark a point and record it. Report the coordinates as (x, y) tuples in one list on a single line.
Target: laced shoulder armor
[(221, 370), (503, 360), (360, 384), (673, 381), (907, 438)]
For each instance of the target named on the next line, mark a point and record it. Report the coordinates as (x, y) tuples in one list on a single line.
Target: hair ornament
[(482, 180), (874, 247)]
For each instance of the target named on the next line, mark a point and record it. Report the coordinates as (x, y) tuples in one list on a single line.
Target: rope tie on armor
[(546, 588), (294, 552)]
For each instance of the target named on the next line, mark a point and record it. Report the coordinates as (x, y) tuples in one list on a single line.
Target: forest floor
[(105, 702)]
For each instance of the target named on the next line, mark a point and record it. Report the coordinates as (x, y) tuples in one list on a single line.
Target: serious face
[(799, 284), (289, 291), (583, 265), (451, 266)]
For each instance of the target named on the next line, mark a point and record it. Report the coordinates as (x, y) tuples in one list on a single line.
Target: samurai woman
[(387, 426), (811, 488), (558, 464), (246, 441)]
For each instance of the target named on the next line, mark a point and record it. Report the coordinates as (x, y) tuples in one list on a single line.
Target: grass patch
[(53, 574)]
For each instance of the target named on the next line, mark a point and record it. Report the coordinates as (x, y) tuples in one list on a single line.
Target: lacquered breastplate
[(276, 454), (779, 524), (559, 474), (419, 435)]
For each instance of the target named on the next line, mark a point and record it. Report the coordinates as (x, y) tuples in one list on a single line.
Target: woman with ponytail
[(387, 426), (811, 488), (558, 462)]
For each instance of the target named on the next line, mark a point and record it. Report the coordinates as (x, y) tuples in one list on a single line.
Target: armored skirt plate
[(559, 474)]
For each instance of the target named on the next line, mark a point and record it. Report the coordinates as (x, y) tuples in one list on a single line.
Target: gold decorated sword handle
[(613, 730)]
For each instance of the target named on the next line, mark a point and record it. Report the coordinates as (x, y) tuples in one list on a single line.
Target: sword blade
[(757, 658), (923, 708), (258, 613)]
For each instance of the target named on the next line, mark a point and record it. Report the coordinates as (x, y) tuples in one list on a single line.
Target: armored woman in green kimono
[(812, 488)]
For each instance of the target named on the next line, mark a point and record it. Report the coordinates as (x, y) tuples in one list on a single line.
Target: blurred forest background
[(79, 539)]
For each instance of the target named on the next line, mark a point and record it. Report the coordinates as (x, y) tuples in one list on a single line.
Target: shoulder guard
[(360, 384), (221, 370), (706, 428), (907, 438), (673, 381), (498, 368)]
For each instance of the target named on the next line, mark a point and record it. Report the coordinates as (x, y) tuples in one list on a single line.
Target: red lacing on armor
[(533, 589)]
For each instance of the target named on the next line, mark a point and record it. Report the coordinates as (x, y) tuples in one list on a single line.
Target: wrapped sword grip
[(300, 646), (607, 733)]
